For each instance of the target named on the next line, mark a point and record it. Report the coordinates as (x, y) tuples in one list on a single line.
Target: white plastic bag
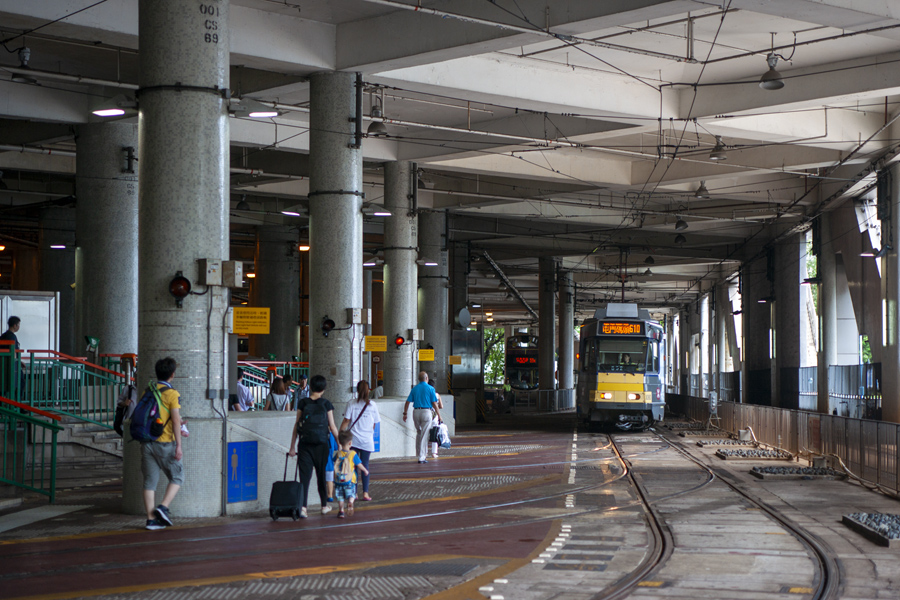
[(444, 436)]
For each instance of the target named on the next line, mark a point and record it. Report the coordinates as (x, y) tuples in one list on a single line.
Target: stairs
[(81, 442)]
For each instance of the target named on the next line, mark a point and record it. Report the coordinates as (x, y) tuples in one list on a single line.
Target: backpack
[(343, 470), (313, 427), (146, 420)]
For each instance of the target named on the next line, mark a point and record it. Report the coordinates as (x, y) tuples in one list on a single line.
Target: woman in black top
[(312, 449)]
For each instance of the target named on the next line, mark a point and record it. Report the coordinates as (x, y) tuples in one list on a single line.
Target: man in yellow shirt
[(165, 453)]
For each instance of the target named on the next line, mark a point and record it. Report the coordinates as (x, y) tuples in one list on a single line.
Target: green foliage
[(866, 350), (812, 269), (494, 355)]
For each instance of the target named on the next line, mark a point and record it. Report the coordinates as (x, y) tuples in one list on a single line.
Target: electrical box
[(417, 335), (210, 271), (233, 274), (359, 316)]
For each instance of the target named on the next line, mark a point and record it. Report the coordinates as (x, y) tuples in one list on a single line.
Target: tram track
[(661, 545)]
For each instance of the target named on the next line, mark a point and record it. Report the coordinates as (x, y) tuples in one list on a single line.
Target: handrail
[(31, 409), (79, 359), (24, 461)]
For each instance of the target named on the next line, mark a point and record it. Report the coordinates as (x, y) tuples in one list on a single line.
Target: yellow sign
[(376, 343), (250, 320), (455, 360), (380, 375), (426, 355)]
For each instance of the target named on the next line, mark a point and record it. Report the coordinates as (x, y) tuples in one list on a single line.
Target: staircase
[(82, 442)]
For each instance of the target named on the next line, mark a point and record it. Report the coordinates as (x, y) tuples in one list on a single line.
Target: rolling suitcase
[(286, 498)]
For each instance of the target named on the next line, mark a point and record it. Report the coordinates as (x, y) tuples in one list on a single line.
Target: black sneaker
[(154, 524), (162, 514)]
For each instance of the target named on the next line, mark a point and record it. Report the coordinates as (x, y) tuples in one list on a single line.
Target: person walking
[(347, 462), (165, 453), (425, 407), (360, 418), (278, 399), (302, 390), (315, 422), (436, 422)]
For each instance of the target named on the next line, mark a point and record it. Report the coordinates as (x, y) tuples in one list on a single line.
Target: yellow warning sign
[(376, 343), (250, 320), (426, 355), (380, 375), (455, 360)]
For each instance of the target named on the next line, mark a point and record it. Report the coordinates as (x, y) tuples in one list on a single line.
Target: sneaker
[(340, 514), (422, 462), (434, 455), (154, 524), (326, 509), (162, 514), (303, 513)]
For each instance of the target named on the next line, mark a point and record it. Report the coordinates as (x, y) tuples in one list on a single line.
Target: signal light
[(327, 326), (399, 340), (179, 287)]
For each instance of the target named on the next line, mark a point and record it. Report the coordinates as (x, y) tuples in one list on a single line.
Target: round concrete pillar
[(566, 366), (57, 247), (183, 217), (106, 260), (547, 323), (434, 294), (335, 227), (400, 253), (827, 351), (277, 287)]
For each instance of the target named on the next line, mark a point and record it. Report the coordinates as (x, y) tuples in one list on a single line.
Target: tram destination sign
[(622, 328)]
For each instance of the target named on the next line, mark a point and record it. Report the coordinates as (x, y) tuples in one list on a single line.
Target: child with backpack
[(346, 462)]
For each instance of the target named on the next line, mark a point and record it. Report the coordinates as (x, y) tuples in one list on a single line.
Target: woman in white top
[(278, 398), (360, 418)]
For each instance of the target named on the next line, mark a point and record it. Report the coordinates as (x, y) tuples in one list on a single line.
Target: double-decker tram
[(522, 362), (621, 363)]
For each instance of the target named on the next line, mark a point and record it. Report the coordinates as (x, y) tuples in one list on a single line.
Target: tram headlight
[(634, 396), (606, 396)]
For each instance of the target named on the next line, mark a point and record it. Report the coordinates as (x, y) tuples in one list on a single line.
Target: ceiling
[(574, 129)]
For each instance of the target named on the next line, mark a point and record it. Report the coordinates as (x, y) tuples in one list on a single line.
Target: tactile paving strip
[(490, 449), (443, 486), (439, 569)]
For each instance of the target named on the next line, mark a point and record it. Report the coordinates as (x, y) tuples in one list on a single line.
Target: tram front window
[(523, 379), (621, 355)]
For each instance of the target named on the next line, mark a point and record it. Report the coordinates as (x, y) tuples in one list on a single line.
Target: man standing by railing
[(18, 373)]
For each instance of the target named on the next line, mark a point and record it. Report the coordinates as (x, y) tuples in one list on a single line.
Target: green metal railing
[(256, 377), (71, 386), (10, 371), (29, 448)]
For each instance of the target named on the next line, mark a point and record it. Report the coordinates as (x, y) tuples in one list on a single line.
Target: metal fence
[(258, 374), (868, 448), (29, 451)]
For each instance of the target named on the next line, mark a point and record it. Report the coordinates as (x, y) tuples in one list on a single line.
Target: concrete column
[(566, 366), (400, 254), (106, 260), (368, 373), (57, 228), (183, 217), (704, 344), (547, 324), (434, 294), (827, 351), (790, 267), (459, 281), (723, 313), (277, 287), (335, 227), (890, 286)]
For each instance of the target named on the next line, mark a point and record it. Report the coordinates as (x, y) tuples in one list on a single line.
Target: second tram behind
[(622, 363)]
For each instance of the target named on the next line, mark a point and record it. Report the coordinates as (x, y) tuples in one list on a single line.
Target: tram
[(621, 363), (522, 362)]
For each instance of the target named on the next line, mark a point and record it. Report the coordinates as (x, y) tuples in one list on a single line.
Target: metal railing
[(29, 447), (256, 377), (869, 449), (71, 386)]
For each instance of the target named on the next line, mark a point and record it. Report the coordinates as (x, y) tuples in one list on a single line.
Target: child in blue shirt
[(346, 462)]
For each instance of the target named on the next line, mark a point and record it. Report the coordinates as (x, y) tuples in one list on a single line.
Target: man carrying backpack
[(315, 422), (163, 454)]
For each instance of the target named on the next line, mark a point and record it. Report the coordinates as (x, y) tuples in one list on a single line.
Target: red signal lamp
[(179, 287), (327, 326), (399, 340)]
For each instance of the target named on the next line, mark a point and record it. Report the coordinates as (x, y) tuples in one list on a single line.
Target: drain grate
[(436, 569)]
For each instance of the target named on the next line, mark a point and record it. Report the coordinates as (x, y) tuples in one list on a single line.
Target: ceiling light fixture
[(303, 247), (648, 272), (702, 192), (680, 225), (771, 79), (242, 204), (290, 213), (718, 153), (116, 106), (649, 260), (377, 128), (249, 107), (24, 57), (680, 239), (374, 210), (424, 262)]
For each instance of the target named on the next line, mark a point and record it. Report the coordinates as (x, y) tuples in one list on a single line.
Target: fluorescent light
[(381, 213), (290, 213), (263, 114), (490, 314), (476, 306), (109, 112), (57, 246), (251, 275)]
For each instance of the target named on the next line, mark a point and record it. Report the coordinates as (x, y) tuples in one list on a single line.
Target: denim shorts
[(345, 491), (160, 456)]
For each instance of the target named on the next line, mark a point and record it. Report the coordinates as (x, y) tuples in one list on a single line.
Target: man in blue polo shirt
[(424, 401)]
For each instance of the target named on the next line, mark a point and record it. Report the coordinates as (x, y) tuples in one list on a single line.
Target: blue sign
[(242, 471), (377, 437)]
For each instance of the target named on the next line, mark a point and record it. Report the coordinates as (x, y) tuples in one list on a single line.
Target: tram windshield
[(617, 355), (522, 378)]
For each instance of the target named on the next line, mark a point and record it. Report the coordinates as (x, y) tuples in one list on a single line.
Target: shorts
[(345, 491), (160, 456), (329, 475)]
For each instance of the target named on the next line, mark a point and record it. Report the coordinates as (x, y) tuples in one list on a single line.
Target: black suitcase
[(286, 498)]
